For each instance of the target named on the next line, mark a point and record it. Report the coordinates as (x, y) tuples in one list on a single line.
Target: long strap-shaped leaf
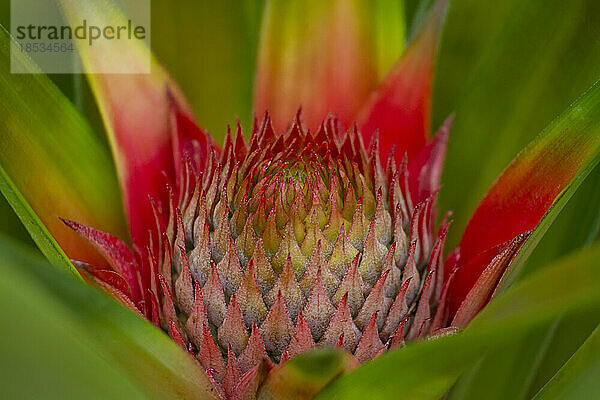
[(427, 370), (399, 109), (578, 378), (501, 105), (54, 160), (46, 353), (505, 86), (147, 357), (531, 192), (135, 110), (324, 55)]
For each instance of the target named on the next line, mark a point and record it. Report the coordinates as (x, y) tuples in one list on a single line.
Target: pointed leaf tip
[(425, 170), (400, 108), (480, 286), (115, 251), (188, 140)]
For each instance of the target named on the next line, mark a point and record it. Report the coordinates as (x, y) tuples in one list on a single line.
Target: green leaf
[(415, 14), (573, 140), (11, 225), (210, 49), (578, 378), (306, 375), (54, 159), (506, 77), (426, 370), (494, 377), (45, 352), (519, 370), (507, 68), (50, 302), (36, 228), (571, 332), (515, 369)]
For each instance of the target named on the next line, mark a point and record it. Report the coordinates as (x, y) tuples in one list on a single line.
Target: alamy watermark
[(53, 33)]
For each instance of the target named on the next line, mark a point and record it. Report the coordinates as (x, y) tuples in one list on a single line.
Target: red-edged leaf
[(477, 263), (480, 290), (135, 110), (110, 278), (52, 163), (530, 193), (425, 170), (189, 141), (114, 250), (318, 55), (177, 336), (119, 296), (400, 108)]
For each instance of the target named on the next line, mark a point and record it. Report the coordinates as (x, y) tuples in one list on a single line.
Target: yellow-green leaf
[(54, 159)]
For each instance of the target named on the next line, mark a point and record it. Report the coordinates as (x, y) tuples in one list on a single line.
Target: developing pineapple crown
[(293, 241), (273, 246)]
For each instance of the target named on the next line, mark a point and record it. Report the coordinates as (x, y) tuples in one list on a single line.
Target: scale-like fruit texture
[(287, 242), (297, 240)]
